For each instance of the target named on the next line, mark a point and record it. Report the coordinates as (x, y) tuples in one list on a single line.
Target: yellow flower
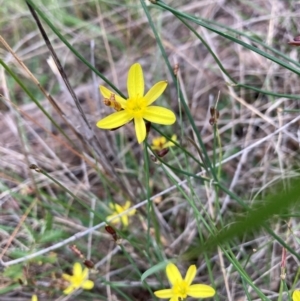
[(160, 143), (78, 280), (138, 106), (296, 296), (117, 209), (34, 298), (181, 288)]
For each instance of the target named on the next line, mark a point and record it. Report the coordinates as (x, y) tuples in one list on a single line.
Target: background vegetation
[(223, 198)]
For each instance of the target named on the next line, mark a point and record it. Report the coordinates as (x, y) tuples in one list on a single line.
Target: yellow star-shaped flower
[(160, 143), (181, 288), (137, 107), (79, 279), (117, 209)]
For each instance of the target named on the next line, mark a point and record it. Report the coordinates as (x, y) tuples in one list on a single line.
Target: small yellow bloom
[(181, 288), (296, 295), (137, 107), (78, 280), (34, 298), (160, 143), (117, 209)]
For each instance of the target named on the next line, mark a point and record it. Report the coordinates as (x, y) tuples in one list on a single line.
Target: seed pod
[(176, 69), (148, 127), (212, 111), (295, 42), (153, 159), (215, 114), (112, 232), (212, 121), (88, 263), (162, 152), (34, 167), (76, 251)]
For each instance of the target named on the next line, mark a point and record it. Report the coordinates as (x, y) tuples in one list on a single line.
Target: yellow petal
[(114, 120), (135, 81), (155, 91), (88, 285), (200, 291), (118, 208), (190, 274), (132, 212), (124, 219), (296, 295), (164, 294), (34, 298), (159, 115), (167, 144), (67, 277), (127, 205), (85, 274), (70, 289), (114, 221), (173, 273), (170, 143), (77, 269), (140, 129), (106, 93)]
